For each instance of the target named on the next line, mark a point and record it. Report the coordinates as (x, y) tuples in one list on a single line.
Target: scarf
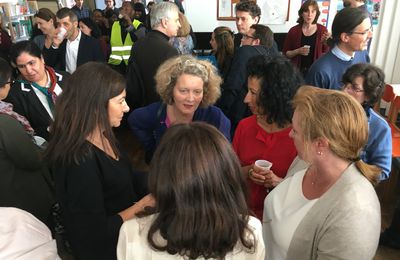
[(7, 109)]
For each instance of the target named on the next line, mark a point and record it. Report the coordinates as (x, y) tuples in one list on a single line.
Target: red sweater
[(252, 143), (293, 41)]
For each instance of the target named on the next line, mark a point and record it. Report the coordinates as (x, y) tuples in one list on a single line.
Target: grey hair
[(160, 11)]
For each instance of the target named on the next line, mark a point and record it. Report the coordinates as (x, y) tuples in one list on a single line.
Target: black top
[(91, 195), (307, 61)]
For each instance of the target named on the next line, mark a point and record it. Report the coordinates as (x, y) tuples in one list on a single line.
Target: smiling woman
[(188, 88)]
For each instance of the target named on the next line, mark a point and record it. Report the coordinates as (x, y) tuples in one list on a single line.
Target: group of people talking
[(203, 195)]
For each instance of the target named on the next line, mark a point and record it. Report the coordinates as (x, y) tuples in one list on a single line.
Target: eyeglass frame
[(362, 33), (245, 36), (352, 87)]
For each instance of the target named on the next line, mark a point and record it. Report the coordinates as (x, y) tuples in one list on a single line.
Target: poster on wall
[(373, 7)]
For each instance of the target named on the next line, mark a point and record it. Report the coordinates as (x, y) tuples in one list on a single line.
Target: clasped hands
[(266, 178)]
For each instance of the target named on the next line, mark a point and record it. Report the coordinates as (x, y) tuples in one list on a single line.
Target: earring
[(319, 153)]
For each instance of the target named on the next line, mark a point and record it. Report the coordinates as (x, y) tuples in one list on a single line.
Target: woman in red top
[(306, 42), (272, 83)]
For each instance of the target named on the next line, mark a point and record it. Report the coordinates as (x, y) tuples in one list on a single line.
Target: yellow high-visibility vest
[(121, 51)]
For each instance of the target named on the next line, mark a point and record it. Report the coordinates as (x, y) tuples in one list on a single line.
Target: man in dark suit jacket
[(71, 48), (148, 53), (258, 41)]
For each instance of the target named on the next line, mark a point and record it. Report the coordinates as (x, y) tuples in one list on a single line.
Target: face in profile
[(32, 68), (44, 26), (4, 90), (188, 93), (117, 106), (173, 25), (358, 39), (253, 89), (356, 89), (85, 29), (69, 26), (244, 21)]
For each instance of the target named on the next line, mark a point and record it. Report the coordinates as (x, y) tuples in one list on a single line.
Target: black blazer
[(27, 104), (89, 50)]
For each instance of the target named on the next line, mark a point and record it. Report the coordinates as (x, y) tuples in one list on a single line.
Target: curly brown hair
[(169, 72)]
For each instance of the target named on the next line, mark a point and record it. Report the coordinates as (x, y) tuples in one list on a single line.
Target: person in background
[(45, 20), (25, 181), (90, 28), (258, 41), (183, 41), (201, 210), (140, 12), (188, 88), (366, 83), (222, 49), (103, 23), (149, 6), (70, 47), (110, 5), (272, 84), (81, 10), (351, 32), (35, 93), (5, 41), (124, 33), (95, 183), (306, 42), (331, 201), (247, 14), (150, 52)]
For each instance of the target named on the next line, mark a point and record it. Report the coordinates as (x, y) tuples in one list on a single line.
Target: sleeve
[(288, 45), (18, 145), (325, 47), (379, 152), (139, 33), (259, 243), (225, 126), (97, 51), (236, 138), (141, 121), (122, 247), (92, 233), (232, 86), (353, 230)]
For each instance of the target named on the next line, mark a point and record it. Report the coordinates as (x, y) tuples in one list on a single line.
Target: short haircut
[(345, 21), (169, 72), (66, 12), (201, 197), (374, 81), (160, 11), (279, 83), (5, 72), (304, 8), (24, 46), (249, 6), (264, 34), (337, 117), (46, 14)]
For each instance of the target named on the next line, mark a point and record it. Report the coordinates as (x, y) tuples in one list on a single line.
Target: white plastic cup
[(263, 164), (307, 46), (61, 33)]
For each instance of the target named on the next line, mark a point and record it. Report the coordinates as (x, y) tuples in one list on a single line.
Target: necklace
[(312, 178)]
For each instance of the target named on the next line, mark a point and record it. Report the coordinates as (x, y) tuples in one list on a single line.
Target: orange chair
[(394, 125), (388, 96)]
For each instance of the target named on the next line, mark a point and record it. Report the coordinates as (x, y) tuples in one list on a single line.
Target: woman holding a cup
[(272, 84), (306, 42)]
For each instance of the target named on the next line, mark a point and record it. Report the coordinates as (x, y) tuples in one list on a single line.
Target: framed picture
[(226, 9)]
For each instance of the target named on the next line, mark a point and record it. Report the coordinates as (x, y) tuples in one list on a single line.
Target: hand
[(271, 180), (257, 175), (303, 51), (56, 40), (325, 37), (146, 201)]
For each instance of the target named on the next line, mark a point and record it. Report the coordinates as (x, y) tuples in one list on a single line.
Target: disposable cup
[(263, 164), (61, 34)]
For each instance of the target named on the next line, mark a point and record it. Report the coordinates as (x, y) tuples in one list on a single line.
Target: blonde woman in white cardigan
[(329, 208)]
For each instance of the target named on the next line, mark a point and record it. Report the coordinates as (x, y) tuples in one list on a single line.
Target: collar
[(78, 38), (341, 55)]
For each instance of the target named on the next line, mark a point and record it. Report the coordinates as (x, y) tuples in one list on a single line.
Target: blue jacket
[(378, 150), (148, 123)]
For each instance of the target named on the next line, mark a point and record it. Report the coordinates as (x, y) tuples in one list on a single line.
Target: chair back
[(383, 106)]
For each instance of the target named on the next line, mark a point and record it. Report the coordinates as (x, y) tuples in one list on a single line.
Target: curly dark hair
[(249, 6), (279, 83), (374, 81)]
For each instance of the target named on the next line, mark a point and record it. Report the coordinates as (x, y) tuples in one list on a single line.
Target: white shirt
[(24, 237), (132, 242), (341, 54), (284, 208), (71, 55)]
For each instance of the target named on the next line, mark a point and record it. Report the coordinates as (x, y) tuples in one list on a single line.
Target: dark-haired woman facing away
[(95, 184), (201, 209)]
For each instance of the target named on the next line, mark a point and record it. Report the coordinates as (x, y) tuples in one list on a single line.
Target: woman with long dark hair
[(201, 209), (95, 184)]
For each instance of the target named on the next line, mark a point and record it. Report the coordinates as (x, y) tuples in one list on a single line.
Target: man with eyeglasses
[(351, 32), (258, 40)]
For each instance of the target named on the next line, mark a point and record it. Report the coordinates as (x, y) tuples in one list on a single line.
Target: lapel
[(32, 98)]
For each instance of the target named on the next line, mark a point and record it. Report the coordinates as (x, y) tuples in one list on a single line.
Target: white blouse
[(284, 208)]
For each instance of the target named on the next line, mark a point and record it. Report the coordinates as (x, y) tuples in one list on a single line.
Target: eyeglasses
[(352, 87), (10, 82), (245, 36), (363, 33)]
